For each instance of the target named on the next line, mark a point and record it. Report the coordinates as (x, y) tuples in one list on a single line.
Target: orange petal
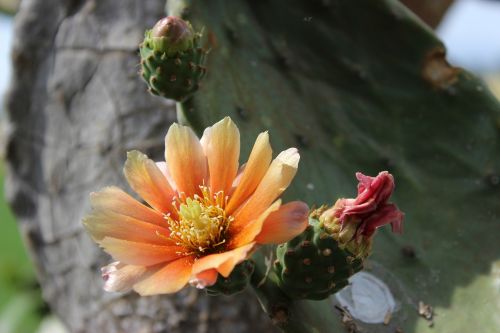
[(221, 144), (113, 199), (170, 279), (250, 230), (205, 279), (143, 254), (277, 178), (223, 262), (110, 224), (119, 277), (185, 159), (148, 181), (254, 171), (284, 224)]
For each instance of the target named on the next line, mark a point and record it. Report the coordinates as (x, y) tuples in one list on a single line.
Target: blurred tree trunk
[(76, 105)]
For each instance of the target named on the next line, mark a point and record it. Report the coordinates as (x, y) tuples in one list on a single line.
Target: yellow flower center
[(202, 221)]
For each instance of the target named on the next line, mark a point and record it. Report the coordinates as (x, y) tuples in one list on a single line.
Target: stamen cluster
[(201, 222)]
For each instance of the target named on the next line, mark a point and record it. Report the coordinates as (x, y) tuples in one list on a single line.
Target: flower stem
[(187, 115)]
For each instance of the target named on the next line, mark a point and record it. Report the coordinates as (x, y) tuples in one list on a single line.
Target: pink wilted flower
[(203, 214), (354, 221)]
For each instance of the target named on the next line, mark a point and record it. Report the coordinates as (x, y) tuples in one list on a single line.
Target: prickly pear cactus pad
[(364, 85)]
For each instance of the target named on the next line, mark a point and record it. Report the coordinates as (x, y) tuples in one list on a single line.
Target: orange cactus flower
[(204, 213)]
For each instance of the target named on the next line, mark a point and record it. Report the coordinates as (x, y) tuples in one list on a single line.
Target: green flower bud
[(172, 60), (171, 35)]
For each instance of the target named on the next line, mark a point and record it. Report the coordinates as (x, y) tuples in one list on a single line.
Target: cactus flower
[(203, 214), (354, 221)]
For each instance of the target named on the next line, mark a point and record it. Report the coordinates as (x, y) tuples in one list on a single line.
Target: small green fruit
[(312, 266)]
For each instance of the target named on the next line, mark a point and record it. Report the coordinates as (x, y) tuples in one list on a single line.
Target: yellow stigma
[(201, 222)]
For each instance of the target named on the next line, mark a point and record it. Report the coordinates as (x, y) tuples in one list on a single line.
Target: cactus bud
[(171, 35), (172, 61), (234, 283), (352, 222)]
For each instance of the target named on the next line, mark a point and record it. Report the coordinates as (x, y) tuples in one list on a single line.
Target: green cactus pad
[(312, 266), (176, 76), (364, 86), (234, 283)]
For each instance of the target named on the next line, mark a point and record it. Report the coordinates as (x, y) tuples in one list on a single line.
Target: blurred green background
[(21, 306)]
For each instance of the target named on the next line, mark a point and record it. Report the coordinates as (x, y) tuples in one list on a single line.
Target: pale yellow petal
[(169, 279), (113, 199), (119, 277), (221, 144), (284, 224), (277, 178), (185, 158), (254, 171), (166, 172)]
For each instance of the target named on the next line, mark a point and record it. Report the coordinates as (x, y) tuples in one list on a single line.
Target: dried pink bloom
[(354, 221)]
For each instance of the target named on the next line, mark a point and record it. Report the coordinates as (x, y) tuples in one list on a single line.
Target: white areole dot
[(367, 298)]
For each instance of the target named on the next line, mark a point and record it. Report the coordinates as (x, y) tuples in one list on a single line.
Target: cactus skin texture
[(312, 266), (234, 283), (172, 73)]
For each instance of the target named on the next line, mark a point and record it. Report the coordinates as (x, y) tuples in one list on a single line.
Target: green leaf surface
[(364, 86)]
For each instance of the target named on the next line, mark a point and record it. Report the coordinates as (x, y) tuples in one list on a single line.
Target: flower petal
[(223, 262), (113, 199), (205, 279), (119, 277), (110, 224), (221, 144), (134, 253), (388, 213), (376, 189), (284, 224), (148, 181), (185, 158), (166, 172), (251, 230), (254, 171), (169, 279), (277, 178)]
